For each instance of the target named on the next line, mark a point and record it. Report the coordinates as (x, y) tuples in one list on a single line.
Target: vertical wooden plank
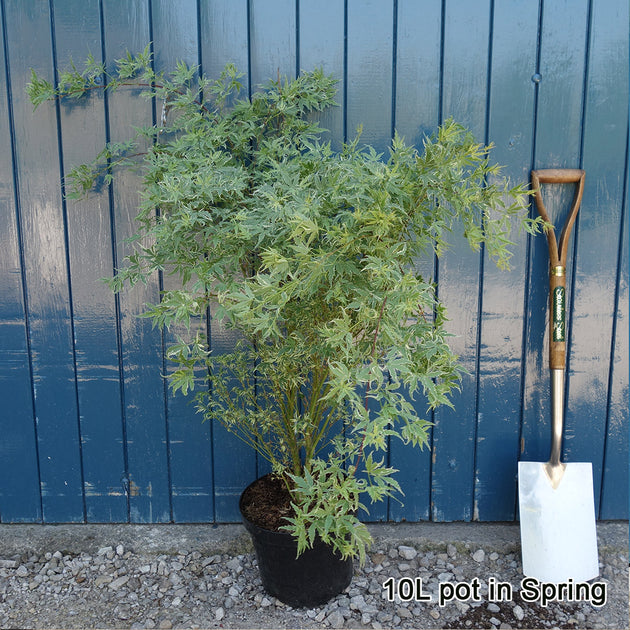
[(597, 241), (511, 115), (90, 255), (174, 33), (190, 445), (369, 84), (224, 38), (418, 69), (321, 30), (561, 83), (614, 502), (465, 64), (557, 144), (416, 115), (321, 45), (46, 270), (260, 39), (614, 497), (127, 27), (273, 54), (272, 40), (19, 478), (369, 71)]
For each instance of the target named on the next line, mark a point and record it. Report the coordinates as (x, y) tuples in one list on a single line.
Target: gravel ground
[(193, 576)]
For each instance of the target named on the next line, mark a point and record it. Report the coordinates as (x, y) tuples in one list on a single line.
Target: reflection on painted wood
[(89, 432)]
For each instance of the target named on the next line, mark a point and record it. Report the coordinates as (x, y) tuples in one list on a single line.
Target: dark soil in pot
[(266, 502), (308, 580)]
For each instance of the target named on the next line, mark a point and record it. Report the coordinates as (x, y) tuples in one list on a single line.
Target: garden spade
[(557, 513)]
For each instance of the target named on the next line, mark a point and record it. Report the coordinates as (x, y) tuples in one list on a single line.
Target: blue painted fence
[(88, 429)]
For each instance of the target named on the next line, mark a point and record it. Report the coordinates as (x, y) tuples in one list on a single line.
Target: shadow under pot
[(308, 580)]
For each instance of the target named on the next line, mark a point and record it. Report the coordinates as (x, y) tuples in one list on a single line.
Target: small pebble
[(8, 564), (335, 619), (408, 553), (116, 584)]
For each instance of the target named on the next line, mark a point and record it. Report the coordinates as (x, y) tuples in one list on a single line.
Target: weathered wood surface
[(88, 430)]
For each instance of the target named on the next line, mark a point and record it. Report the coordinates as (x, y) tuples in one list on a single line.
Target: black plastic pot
[(308, 580)]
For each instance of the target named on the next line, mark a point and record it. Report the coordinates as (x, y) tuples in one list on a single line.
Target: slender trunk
[(288, 412), (315, 415)]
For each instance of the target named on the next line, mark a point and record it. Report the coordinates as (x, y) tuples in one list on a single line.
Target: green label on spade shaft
[(558, 314)]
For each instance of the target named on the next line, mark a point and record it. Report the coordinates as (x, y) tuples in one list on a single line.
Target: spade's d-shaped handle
[(558, 256)]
